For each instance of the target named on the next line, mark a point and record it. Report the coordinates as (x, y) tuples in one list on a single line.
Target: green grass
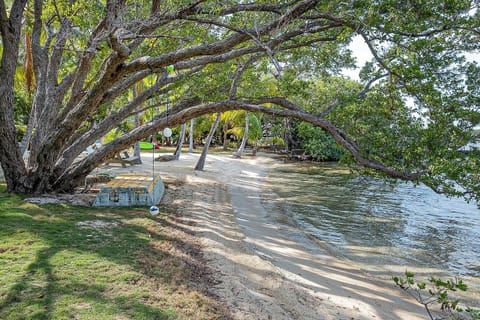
[(70, 262)]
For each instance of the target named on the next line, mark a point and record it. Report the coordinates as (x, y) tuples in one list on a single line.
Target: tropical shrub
[(317, 143)]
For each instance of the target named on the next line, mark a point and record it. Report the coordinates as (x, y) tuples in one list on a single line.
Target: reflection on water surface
[(379, 225)]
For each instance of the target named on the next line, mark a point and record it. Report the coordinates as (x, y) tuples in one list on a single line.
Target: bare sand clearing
[(261, 272)]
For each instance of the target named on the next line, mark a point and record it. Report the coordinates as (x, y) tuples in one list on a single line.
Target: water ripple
[(368, 220)]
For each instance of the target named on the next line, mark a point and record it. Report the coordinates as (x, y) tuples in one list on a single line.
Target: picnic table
[(124, 158)]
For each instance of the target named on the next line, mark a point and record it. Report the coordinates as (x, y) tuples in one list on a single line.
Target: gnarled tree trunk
[(10, 154)]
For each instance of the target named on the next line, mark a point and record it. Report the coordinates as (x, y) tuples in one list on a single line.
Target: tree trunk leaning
[(190, 146), (178, 150), (240, 150), (201, 161), (136, 146)]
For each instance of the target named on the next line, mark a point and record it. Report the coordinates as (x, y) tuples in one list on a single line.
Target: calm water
[(382, 227)]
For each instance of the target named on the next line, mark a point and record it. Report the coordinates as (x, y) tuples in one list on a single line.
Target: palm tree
[(239, 152), (181, 138), (190, 136), (201, 161), (249, 127)]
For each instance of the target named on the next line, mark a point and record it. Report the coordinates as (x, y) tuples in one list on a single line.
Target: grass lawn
[(70, 262)]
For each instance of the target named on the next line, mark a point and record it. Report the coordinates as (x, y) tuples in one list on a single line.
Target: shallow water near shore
[(385, 229)]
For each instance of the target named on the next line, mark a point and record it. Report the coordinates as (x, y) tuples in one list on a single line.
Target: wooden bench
[(124, 158)]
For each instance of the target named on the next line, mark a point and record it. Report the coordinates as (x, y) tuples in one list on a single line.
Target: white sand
[(262, 272)]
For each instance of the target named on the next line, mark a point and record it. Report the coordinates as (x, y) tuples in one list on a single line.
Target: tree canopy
[(416, 106)]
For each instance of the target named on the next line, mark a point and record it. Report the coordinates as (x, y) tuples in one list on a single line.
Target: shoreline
[(259, 271)]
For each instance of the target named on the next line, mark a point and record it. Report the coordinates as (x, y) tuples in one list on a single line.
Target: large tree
[(416, 107)]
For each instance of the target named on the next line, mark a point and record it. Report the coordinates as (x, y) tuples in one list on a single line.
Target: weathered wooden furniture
[(124, 158), (132, 189)]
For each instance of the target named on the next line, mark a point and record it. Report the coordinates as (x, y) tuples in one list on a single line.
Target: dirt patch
[(99, 225), (74, 199)]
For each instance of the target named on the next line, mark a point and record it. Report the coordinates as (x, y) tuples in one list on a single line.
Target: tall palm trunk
[(288, 137), (190, 146), (178, 150), (240, 150), (203, 157), (136, 146)]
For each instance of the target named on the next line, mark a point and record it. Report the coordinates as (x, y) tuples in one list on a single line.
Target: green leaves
[(437, 291), (318, 144)]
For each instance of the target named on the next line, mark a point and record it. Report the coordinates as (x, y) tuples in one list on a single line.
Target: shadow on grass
[(59, 261)]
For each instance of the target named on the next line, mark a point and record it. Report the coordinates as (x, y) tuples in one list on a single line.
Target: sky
[(362, 54)]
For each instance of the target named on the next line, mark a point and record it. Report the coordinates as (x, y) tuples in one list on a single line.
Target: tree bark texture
[(10, 153)]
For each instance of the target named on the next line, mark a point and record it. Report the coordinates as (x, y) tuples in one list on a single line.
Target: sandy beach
[(260, 271)]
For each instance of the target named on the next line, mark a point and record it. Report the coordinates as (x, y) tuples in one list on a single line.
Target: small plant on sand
[(437, 292)]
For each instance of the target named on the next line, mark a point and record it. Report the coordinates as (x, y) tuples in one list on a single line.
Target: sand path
[(262, 272)]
